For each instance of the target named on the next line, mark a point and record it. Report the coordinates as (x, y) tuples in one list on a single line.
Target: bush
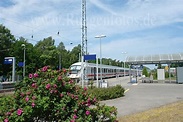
[(6, 103), (49, 95), (107, 93), (166, 74)]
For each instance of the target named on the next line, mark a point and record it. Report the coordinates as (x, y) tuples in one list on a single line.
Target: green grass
[(168, 113)]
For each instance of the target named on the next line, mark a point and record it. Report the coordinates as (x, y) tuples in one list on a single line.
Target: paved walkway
[(143, 96)]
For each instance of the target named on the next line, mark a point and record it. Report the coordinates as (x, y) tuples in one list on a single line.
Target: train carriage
[(90, 70)]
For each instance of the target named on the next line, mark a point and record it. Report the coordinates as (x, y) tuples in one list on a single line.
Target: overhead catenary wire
[(43, 31), (36, 29)]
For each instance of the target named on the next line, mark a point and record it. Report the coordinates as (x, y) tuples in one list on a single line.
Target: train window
[(78, 67), (75, 67), (72, 67), (92, 69)]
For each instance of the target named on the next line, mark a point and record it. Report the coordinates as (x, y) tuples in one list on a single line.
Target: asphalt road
[(143, 96)]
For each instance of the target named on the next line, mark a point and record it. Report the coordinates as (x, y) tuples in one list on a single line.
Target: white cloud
[(102, 6), (135, 26)]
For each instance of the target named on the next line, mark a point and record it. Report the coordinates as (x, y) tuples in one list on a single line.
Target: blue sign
[(8, 61), (20, 64), (90, 57)]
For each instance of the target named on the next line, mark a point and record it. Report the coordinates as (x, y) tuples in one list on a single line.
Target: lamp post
[(60, 57), (23, 45), (124, 62), (79, 57), (100, 36)]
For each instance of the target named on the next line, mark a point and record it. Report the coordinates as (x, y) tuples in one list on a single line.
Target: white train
[(90, 70)]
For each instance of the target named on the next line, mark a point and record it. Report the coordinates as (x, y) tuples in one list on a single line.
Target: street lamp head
[(23, 45), (100, 36)]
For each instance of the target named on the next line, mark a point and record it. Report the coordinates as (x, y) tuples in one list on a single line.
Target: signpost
[(86, 58), (11, 60)]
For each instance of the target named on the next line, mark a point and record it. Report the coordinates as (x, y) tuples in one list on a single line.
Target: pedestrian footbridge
[(155, 59)]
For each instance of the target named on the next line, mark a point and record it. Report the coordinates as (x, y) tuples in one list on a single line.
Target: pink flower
[(61, 95), (36, 75), (27, 99), (87, 112), (75, 110), (6, 120), (48, 86), (63, 83), (72, 96), (34, 85), (76, 97), (72, 120), (94, 100), (8, 113), (19, 111), (22, 94), (55, 86), (64, 70), (51, 91), (71, 81), (44, 69), (28, 93), (75, 117), (85, 88), (30, 76), (88, 104), (55, 91), (84, 94), (33, 105), (33, 97), (59, 78), (88, 100), (83, 103)]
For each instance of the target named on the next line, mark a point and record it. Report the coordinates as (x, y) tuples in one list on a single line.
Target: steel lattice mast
[(84, 29), (83, 41)]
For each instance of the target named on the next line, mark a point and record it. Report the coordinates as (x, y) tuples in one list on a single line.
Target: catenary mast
[(83, 40), (84, 29)]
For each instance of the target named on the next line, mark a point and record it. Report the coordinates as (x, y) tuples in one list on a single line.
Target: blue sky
[(138, 27)]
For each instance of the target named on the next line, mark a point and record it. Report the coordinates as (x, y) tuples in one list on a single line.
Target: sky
[(137, 27)]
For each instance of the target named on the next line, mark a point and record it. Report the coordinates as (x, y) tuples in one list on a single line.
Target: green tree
[(31, 56), (6, 44), (18, 53), (64, 55), (144, 72), (75, 54), (47, 51), (159, 66)]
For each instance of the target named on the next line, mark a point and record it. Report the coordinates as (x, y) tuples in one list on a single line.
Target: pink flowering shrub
[(49, 95)]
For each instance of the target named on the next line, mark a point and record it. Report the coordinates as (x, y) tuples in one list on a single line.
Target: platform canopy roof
[(155, 59)]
